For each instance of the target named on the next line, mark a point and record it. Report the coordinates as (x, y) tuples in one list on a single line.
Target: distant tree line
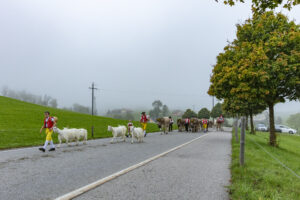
[(125, 114), (80, 108), (294, 121), (159, 110), (45, 100), (205, 113)]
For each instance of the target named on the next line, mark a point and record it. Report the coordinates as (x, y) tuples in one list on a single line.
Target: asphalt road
[(30, 174), (199, 170)]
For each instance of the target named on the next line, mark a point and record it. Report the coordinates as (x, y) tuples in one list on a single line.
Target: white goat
[(71, 135), (136, 133), (119, 131)]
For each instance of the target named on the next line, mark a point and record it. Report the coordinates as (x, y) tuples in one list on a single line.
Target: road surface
[(200, 169)]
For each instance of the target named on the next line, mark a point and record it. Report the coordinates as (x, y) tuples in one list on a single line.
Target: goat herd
[(192, 125)]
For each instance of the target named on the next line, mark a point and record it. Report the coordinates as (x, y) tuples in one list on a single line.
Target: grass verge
[(263, 177)]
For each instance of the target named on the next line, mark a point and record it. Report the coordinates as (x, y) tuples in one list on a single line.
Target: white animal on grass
[(70, 135), (119, 131), (136, 133)]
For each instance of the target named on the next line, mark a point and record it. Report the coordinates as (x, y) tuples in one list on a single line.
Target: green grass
[(262, 177), (20, 123)]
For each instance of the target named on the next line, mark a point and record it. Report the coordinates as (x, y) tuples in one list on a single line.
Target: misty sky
[(136, 51)]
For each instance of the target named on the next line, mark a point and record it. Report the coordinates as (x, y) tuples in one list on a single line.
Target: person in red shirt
[(144, 121), (221, 118), (49, 123)]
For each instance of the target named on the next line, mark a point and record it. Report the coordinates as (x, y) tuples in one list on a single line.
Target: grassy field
[(262, 177), (20, 123)]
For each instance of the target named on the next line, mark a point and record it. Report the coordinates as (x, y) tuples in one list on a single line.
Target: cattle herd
[(164, 123), (188, 125), (193, 125)]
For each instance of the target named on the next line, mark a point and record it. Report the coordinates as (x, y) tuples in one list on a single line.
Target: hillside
[(20, 123)]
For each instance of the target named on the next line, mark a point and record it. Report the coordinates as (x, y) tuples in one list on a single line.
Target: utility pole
[(93, 88)]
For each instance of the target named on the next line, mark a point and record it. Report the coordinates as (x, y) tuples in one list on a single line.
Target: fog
[(136, 51)]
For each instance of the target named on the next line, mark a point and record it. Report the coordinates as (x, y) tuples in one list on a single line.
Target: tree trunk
[(246, 124), (236, 129), (272, 125), (242, 141), (252, 123)]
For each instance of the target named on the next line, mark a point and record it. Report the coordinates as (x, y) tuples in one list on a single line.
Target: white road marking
[(95, 184)]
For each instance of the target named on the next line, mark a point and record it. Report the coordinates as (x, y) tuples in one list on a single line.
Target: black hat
[(143, 113)]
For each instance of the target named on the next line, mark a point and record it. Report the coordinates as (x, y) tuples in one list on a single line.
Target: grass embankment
[(20, 123), (262, 177)]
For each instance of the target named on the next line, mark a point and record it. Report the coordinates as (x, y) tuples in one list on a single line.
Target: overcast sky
[(136, 51)]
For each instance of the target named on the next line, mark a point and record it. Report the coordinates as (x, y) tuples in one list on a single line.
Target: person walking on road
[(205, 127), (49, 123), (171, 124), (220, 121), (144, 121), (187, 124)]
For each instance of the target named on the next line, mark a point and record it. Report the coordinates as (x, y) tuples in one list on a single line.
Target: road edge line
[(95, 184)]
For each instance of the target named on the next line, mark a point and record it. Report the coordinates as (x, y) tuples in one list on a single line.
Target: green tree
[(204, 113), (235, 107), (216, 111), (276, 53), (156, 112), (189, 113), (262, 5), (261, 65), (157, 104)]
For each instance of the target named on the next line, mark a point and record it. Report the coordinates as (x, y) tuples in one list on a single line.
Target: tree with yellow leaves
[(261, 66), (261, 6)]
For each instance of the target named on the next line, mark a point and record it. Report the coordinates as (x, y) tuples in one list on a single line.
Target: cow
[(195, 124), (163, 123), (180, 124)]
